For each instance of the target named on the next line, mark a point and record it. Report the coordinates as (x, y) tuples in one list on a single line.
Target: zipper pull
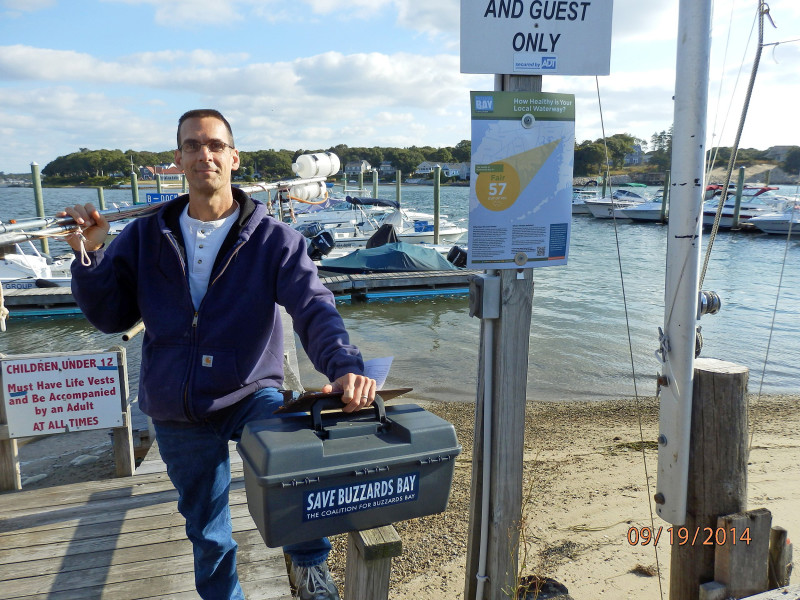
[(194, 319)]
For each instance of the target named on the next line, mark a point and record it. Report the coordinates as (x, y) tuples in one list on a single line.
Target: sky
[(310, 74)]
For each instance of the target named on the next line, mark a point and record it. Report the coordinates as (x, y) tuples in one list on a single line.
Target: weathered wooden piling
[(437, 193), (37, 194), (717, 471)]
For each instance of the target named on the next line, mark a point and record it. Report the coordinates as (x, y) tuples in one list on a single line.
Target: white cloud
[(186, 13), (26, 5), (440, 17), (356, 9)]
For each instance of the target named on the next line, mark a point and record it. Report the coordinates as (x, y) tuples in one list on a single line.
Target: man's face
[(206, 171)]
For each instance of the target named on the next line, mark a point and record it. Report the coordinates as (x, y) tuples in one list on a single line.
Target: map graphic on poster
[(521, 181)]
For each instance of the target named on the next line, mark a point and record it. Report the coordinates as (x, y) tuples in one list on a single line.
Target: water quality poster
[(523, 149)]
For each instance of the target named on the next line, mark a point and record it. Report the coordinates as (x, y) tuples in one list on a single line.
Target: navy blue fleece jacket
[(197, 362)]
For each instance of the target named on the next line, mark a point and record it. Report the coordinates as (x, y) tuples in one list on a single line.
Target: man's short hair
[(200, 113)]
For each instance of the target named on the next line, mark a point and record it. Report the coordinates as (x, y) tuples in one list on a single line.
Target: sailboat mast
[(681, 294)]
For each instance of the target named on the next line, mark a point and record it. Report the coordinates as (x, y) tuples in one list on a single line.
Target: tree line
[(93, 166), (590, 156), (97, 167)]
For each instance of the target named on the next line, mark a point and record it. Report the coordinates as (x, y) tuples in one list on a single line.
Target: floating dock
[(376, 286), (40, 302), (54, 301)]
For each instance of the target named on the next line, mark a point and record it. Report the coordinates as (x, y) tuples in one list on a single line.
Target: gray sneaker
[(314, 583)]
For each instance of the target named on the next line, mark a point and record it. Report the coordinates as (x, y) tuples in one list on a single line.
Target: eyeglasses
[(214, 146)]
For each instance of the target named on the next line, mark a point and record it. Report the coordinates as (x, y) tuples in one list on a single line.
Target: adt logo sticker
[(484, 104), (548, 62)]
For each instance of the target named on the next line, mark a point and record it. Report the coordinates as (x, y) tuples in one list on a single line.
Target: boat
[(579, 198), (393, 257), (354, 229), (603, 208), (755, 201), (642, 211), (23, 271), (343, 209), (779, 223)]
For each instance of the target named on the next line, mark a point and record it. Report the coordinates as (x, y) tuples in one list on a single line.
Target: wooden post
[(742, 552), (369, 562), (398, 178), (124, 461), (713, 590), (717, 470), (374, 183), (738, 200), (37, 195), (134, 188), (509, 379), (101, 199), (780, 558), (437, 190), (158, 182), (665, 197), (122, 438), (10, 476)]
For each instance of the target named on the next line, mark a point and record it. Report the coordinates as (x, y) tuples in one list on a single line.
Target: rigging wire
[(791, 214), (710, 163), (630, 344), (763, 9)]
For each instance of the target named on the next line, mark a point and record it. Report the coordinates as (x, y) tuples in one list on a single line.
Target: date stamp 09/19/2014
[(681, 536)]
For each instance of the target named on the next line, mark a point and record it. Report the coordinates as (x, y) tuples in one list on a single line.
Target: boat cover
[(389, 258), (372, 202), (386, 234)]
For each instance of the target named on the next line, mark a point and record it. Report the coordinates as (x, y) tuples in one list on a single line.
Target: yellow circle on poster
[(498, 188)]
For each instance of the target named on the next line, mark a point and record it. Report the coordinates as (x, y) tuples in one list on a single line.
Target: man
[(205, 274)]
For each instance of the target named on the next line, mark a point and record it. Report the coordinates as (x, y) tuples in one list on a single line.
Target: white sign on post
[(161, 197), (45, 394), (520, 202), (536, 37)]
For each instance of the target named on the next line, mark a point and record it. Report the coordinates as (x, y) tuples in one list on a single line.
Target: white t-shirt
[(203, 240)]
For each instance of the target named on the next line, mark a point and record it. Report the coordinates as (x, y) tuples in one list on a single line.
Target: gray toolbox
[(312, 476)]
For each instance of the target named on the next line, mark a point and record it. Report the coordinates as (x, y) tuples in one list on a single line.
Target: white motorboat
[(343, 209), (21, 271), (410, 227), (643, 211), (579, 198), (603, 208), (755, 201), (779, 223)]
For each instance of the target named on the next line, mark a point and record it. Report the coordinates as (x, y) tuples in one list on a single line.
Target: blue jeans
[(198, 463)]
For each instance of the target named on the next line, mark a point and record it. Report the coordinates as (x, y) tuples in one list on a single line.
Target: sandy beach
[(586, 487)]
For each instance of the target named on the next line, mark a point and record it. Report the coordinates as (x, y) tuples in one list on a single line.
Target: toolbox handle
[(336, 403)]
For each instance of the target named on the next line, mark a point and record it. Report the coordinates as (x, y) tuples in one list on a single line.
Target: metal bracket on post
[(484, 296)]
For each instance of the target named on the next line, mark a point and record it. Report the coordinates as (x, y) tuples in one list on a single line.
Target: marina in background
[(579, 344)]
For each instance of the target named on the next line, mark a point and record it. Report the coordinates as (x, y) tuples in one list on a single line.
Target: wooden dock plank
[(110, 542), (94, 569), (120, 539), (32, 524)]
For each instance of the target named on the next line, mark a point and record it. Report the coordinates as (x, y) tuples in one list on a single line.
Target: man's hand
[(358, 391), (94, 227)]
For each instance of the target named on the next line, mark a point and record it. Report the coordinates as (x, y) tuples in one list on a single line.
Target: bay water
[(586, 318)]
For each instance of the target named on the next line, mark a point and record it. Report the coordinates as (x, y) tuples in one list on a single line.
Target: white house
[(357, 166), (460, 170)]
